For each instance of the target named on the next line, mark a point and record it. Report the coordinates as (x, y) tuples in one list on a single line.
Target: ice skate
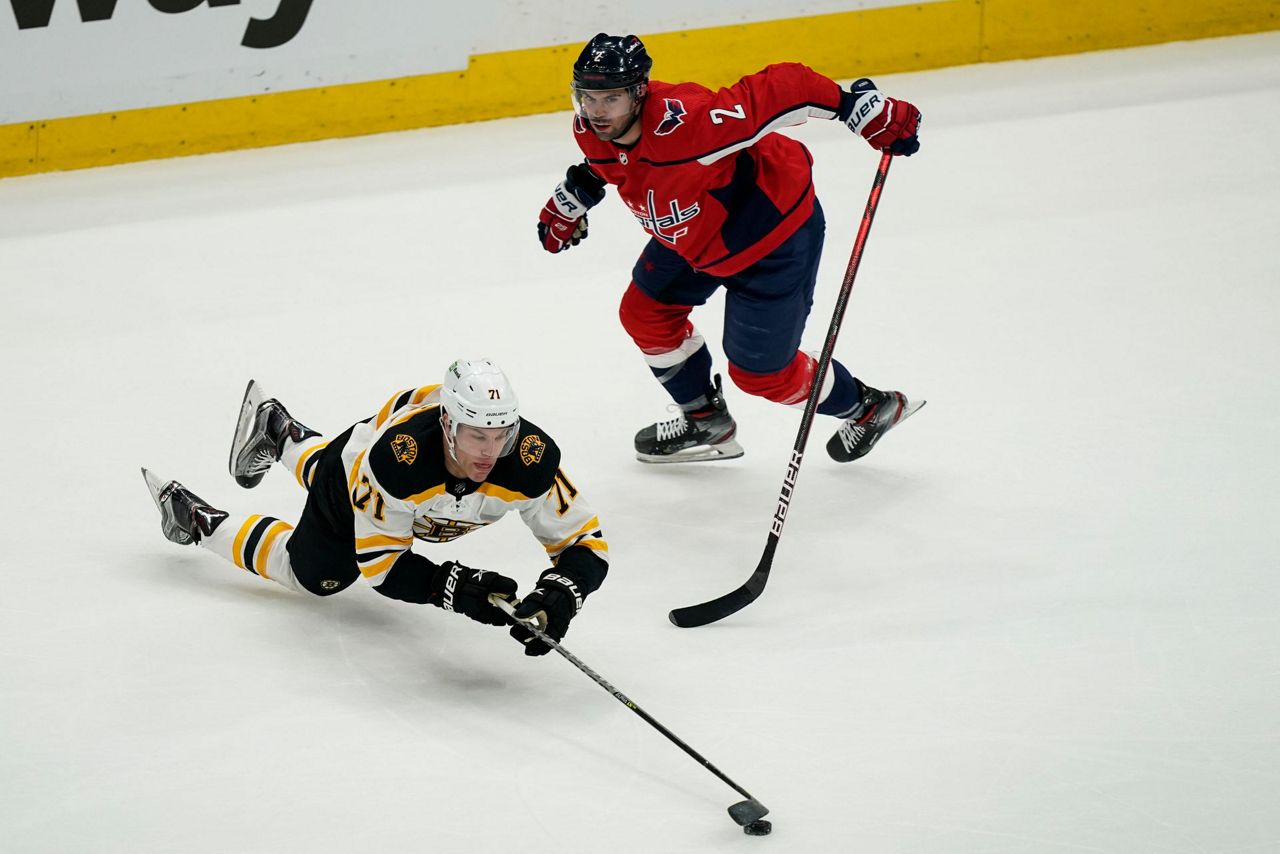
[(881, 412), (184, 516), (704, 434), (261, 431)]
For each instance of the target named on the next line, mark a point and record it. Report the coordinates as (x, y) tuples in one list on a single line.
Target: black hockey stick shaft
[(736, 600), (743, 813)]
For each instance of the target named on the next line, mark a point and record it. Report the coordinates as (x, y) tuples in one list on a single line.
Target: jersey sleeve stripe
[(379, 566), (355, 470), (595, 544), (392, 404), (414, 413), (366, 557), (381, 540), (592, 524), (794, 116)]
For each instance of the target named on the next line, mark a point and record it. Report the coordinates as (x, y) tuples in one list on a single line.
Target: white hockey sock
[(301, 458), (255, 544)]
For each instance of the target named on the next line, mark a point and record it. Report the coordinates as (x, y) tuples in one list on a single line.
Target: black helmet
[(611, 62)]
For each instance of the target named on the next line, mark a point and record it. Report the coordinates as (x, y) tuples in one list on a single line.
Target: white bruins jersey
[(400, 489)]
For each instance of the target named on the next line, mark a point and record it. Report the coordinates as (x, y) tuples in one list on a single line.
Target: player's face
[(608, 111), (477, 449)]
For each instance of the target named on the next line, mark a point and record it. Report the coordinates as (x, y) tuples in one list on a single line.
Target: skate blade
[(726, 450), (156, 487), (253, 398), (911, 409)]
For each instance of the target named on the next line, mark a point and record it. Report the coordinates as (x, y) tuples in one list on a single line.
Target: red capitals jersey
[(708, 177)]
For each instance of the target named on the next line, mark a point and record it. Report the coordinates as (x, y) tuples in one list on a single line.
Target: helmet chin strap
[(449, 443)]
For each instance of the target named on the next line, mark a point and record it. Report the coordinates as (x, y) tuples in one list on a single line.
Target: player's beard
[(618, 127)]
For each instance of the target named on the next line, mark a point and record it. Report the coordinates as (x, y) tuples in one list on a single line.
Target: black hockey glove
[(554, 602), (563, 220), (466, 591)]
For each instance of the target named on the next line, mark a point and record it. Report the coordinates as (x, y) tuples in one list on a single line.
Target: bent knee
[(654, 326), (788, 386)]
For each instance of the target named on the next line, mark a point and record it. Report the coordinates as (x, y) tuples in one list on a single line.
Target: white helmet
[(477, 393)]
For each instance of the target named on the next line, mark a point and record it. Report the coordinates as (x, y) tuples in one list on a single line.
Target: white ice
[(1042, 616)]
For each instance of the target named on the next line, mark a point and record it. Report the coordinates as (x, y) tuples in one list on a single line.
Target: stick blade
[(717, 609), (745, 812), (731, 602)]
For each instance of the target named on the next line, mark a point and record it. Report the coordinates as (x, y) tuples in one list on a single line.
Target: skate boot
[(261, 431), (184, 517), (881, 411), (703, 434)]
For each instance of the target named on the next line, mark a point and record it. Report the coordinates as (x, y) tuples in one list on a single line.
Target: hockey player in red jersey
[(726, 202), (434, 464)]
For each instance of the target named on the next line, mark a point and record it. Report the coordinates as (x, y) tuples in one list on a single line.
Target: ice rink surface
[(1042, 616)]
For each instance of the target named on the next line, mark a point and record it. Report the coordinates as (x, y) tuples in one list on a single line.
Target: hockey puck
[(759, 827)]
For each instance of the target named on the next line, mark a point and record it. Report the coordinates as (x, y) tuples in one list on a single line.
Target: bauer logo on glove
[(563, 220)]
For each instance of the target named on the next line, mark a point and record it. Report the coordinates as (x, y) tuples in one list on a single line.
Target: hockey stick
[(736, 600), (744, 812)]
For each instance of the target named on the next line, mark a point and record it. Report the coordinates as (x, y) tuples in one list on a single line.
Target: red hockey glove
[(885, 123), (563, 220)]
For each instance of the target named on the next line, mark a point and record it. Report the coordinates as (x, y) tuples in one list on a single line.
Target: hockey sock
[(686, 380), (255, 544), (845, 397), (301, 457)]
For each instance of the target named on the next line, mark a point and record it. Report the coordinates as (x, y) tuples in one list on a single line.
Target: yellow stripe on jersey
[(260, 559), (413, 413), (355, 470), (390, 406), (498, 492), (379, 566), (237, 547), (381, 540), (416, 396), (421, 497), (591, 525), (422, 393)]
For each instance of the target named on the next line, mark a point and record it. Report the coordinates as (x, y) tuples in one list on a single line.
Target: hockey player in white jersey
[(435, 463)]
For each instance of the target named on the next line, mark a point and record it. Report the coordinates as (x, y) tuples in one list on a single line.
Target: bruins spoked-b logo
[(531, 449), (405, 448)]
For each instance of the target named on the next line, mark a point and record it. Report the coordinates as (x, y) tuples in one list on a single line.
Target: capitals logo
[(673, 118), (666, 225)]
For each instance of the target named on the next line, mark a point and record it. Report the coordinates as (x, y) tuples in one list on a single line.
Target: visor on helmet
[(485, 441), (605, 104)]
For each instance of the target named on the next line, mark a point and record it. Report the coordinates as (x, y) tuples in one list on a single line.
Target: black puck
[(759, 827)]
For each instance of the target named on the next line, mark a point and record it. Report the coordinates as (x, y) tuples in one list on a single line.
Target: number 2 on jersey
[(718, 115)]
